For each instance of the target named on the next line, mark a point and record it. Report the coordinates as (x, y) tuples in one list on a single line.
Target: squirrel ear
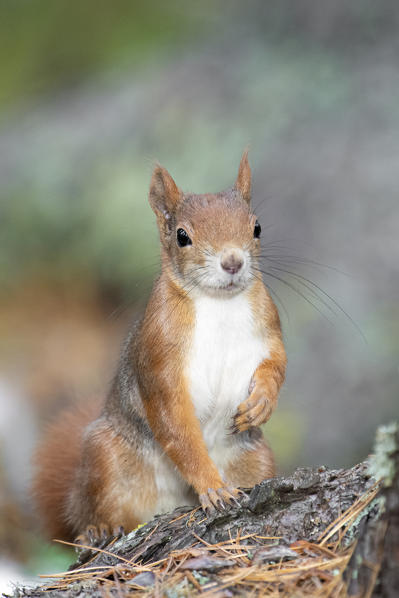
[(243, 182), (164, 193)]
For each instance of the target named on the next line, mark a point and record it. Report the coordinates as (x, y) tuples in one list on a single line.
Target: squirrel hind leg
[(114, 486), (97, 536), (252, 465)]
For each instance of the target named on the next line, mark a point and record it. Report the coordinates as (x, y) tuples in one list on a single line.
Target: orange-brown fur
[(171, 416), (252, 466), (56, 463), (109, 460), (105, 473), (270, 374)]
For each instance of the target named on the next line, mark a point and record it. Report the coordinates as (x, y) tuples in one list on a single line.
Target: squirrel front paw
[(221, 499), (255, 410)]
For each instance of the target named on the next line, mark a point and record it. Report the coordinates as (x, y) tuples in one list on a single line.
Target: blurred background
[(91, 95)]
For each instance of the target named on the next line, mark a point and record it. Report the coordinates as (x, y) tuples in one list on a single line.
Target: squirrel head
[(209, 242)]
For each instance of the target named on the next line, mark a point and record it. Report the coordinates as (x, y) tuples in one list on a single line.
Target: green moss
[(184, 588), (381, 465), (352, 532), (202, 579)]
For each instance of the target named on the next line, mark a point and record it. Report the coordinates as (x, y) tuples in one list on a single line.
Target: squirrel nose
[(232, 263)]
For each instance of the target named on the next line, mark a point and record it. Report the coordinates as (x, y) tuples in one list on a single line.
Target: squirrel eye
[(182, 238), (257, 230)]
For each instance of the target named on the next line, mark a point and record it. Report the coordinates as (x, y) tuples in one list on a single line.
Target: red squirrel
[(197, 377)]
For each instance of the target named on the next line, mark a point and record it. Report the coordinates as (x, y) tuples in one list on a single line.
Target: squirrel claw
[(104, 532), (216, 499), (234, 429), (93, 534), (221, 499), (226, 498), (118, 532), (254, 411), (206, 504), (233, 502), (97, 536), (237, 496)]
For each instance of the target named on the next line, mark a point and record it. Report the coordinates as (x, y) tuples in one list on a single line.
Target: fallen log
[(324, 531)]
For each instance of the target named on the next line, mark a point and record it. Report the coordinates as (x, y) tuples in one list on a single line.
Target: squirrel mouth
[(230, 286)]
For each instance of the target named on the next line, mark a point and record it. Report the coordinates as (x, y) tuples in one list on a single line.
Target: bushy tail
[(55, 465)]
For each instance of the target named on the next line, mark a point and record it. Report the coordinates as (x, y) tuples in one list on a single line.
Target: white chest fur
[(225, 351)]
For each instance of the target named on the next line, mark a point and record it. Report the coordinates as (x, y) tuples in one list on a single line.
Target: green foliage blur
[(71, 211), (47, 46), (53, 218), (77, 185)]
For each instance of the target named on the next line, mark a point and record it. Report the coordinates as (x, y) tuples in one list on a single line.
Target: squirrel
[(197, 377)]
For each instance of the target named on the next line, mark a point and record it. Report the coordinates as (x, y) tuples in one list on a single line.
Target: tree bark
[(291, 508), (374, 567), (295, 507)]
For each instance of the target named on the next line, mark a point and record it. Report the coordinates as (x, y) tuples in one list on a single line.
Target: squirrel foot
[(221, 499), (97, 536)]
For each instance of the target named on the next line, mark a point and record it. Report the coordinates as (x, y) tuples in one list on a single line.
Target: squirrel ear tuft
[(164, 193), (243, 182)]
